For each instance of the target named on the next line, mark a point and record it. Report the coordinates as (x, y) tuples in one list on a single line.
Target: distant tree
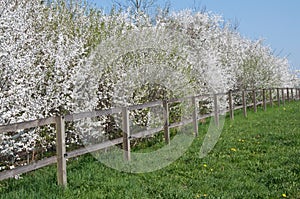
[(137, 5), (59, 57), (144, 8)]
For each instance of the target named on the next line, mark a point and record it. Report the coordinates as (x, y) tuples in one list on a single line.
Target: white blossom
[(62, 58)]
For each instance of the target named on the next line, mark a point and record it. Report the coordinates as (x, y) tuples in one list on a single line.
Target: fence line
[(59, 121)]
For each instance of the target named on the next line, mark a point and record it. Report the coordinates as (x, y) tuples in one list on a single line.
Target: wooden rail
[(281, 96)]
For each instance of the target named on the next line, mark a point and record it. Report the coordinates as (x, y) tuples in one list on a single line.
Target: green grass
[(255, 157)]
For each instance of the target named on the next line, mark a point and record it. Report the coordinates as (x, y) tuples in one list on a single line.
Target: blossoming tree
[(63, 57)]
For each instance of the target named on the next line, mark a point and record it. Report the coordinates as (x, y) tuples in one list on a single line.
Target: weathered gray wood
[(259, 103), (60, 125), (24, 169), (205, 116), (254, 101), (166, 121), (146, 105), (271, 97), (147, 132), (203, 96), (27, 125), (181, 123), (244, 103), (216, 110), (278, 96), (195, 115), (126, 133), (231, 109), (238, 107), (264, 100), (288, 94), (292, 93), (91, 114), (61, 151), (95, 147), (283, 97)]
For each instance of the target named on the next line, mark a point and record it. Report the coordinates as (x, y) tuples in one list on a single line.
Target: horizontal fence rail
[(27, 125), (247, 98)]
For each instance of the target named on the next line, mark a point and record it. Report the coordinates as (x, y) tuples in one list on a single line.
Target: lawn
[(255, 157)]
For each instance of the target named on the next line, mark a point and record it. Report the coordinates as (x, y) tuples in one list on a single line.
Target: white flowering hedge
[(48, 51)]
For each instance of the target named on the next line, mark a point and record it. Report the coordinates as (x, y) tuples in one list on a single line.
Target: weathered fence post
[(299, 94), (61, 151), (292, 93), (264, 100), (231, 108), (195, 115), (283, 98), (271, 98), (288, 94), (244, 103), (254, 101), (216, 109), (278, 96), (126, 133), (166, 121)]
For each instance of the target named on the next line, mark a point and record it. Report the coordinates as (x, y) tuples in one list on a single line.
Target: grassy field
[(256, 157)]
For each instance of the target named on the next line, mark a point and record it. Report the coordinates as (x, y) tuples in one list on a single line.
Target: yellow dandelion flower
[(284, 195), (205, 195), (205, 165), (233, 149)]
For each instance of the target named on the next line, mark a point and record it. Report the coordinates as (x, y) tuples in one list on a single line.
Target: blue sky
[(275, 21)]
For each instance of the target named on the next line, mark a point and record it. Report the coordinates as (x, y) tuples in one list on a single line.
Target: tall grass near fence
[(62, 155), (255, 157)]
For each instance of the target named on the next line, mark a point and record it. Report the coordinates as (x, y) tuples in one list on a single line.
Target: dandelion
[(18, 177), (205, 195), (204, 165), (284, 195), (233, 149)]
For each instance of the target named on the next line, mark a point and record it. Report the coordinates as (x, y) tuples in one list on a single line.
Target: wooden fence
[(279, 95)]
